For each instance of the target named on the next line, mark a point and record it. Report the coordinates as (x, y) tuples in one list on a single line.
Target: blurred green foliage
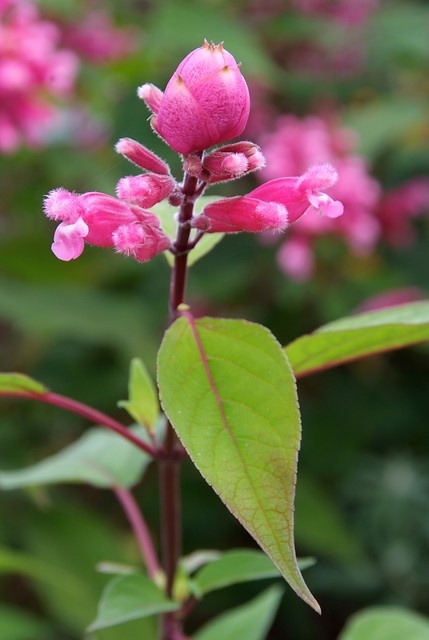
[(362, 503)]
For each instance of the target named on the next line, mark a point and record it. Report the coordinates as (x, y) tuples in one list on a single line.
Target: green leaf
[(230, 394), (167, 213), (359, 336), (18, 382), (99, 458), (240, 565), (250, 621), (142, 403), (380, 623), (16, 624), (129, 598), (142, 629)]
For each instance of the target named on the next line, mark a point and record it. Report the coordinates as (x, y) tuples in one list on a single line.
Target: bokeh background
[(344, 81)]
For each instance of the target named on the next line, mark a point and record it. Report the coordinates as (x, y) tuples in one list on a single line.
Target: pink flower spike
[(61, 204), (141, 156), (151, 95), (232, 215), (69, 240), (145, 190)]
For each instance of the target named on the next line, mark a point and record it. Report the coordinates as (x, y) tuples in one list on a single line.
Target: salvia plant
[(226, 396)]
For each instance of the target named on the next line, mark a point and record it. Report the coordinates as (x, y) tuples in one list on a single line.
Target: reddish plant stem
[(141, 531), (169, 468), (93, 415)]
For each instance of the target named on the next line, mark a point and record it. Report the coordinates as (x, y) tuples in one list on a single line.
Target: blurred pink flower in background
[(98, 39), (370, 215), (34, 70), (351, 12), (293, 145), (38, 71), (399, 207)]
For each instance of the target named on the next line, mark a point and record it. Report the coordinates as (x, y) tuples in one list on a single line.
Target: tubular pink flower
[(69, 240), (300, 193), (141, 156), (232, 215), (140, 241), (103, 215), (205, 102), (100, 218), (145, 190)]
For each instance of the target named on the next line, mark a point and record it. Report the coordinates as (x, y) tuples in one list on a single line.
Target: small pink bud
[(145, 190), (222, 166), (256, 161), (61, 204), (151, 95), (69, 240), (232, 161), (249, 149), (205, 102), (140, 241), (141, 156), (232, 215)]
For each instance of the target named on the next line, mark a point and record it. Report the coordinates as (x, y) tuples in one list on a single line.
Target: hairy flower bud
[(225, 166), (140, 241), (232, 215), (141, 156), (145, 190), (205, 102)]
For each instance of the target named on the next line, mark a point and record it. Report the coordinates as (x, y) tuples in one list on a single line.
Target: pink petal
[(69, 240), (286, 192)]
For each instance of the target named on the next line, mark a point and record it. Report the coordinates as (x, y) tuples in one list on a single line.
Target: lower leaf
[(229, 392), (250, 621), (129, 598)]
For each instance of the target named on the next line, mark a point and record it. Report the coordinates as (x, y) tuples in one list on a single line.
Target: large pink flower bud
[(205, 102)]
